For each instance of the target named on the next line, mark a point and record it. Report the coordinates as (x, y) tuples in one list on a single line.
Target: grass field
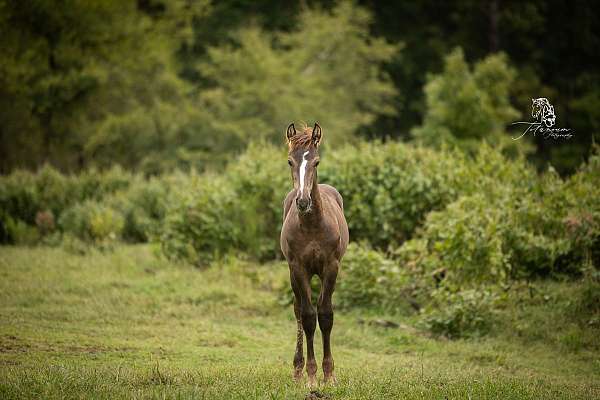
[(126, 324)]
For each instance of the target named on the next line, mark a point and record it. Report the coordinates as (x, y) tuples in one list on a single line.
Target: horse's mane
[(302, 139)]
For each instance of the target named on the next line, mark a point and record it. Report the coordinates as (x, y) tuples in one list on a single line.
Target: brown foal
[(313, 240)]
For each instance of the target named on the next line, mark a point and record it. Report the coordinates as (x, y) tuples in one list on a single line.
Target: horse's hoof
[(297, 376), (330, 380), (312, 382)]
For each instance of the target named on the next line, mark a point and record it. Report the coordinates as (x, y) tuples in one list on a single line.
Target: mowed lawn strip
[(125, 323)]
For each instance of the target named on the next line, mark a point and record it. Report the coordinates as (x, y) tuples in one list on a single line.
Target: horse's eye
[(290, 163), (317, 163)]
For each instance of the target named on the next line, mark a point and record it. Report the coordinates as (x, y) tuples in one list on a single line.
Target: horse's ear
[(291, 131), (316, 134), (535, 109)]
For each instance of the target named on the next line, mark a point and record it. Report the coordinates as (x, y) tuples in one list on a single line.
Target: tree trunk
[(494, 15)]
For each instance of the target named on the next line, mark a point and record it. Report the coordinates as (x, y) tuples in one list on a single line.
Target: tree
[(465, 106), (78, 77), (328, 69)]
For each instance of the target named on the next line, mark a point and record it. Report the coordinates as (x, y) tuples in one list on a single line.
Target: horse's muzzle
[(303, 205)]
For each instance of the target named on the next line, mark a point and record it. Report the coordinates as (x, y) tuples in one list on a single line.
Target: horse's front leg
[(299, 355), (325, 315), (301, 286)]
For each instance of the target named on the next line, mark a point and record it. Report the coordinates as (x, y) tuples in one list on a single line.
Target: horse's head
[(303, 158), (542, 109)]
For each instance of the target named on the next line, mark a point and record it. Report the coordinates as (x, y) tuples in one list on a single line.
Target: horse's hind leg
[(299, 355), (325, 315)]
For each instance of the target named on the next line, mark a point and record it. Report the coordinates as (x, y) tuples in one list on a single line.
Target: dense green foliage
[(328, 67), (370, 280), (510, 224), (457, 230), (485, 218), (91, 206), (88, 101), (74, 78), (388, 189), (466, 313), (464, 106)]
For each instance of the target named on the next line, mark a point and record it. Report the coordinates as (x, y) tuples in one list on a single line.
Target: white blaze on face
[(303, 171)]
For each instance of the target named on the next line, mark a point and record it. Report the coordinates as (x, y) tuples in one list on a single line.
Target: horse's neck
[(316, 213)]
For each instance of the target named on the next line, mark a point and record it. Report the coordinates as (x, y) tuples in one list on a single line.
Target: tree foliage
[(89, 81), (467, 105), (160, 84), (327, 68)]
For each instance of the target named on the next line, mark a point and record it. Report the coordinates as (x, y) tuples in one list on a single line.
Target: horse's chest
[(313, 253), (315, 250)]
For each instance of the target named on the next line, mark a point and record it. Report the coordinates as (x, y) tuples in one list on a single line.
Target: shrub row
[(92, 206), (237, 211), (507, 224), (513, 225), (485, 218), (388, 190)]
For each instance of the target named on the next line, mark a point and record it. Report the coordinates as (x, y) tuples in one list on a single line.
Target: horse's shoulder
[(287, 203), (333, 193)]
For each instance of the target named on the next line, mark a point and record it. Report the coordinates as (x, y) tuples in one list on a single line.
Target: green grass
[(126, 324)]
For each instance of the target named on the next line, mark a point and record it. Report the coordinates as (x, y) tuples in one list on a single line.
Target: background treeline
[(159, 84)]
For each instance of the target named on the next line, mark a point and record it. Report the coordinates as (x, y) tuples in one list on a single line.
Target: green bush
[(24, 194), (93, 184), (586, 306), (93, 222), (508, 223), (369, 279), (466, 240), (261, 180), (240, 210), (582, 220), (484, 218), (19, 196), (18, 232), (388, 188), (467, 313), (202, 221), (143, 206)]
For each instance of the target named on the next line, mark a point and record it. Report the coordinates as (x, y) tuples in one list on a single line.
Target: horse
[(314, 237)]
